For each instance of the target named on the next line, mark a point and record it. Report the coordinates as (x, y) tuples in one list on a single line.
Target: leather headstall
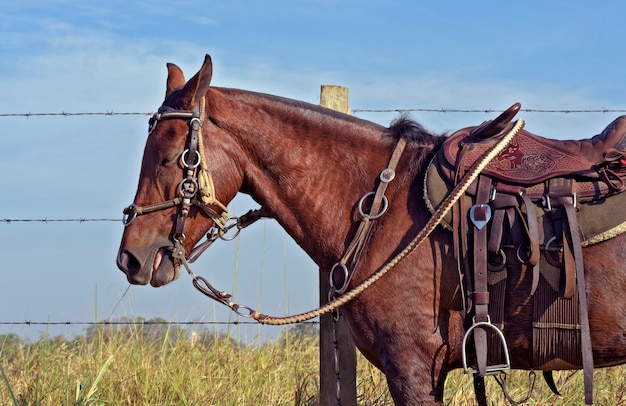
[(195, 189)]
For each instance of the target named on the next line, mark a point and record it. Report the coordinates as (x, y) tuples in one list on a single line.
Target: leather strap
[(479, 390), (481, 290), (385, 178), (459, 229), (533, 239), (562, 195), (356, 246), (585, 333)]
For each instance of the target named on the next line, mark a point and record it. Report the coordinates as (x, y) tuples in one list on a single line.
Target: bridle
[(196, 189)]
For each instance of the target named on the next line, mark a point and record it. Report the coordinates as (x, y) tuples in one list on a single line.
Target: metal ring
[(519, 257), (375, 216), (129, 214), (182, 190), (345, 277), (549, 254), (185, 164), (152, 122), (195, 120), (222, 233), (498, 267), (550, 241)]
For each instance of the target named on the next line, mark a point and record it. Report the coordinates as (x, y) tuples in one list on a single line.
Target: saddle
[(530, 160), (534, 206)]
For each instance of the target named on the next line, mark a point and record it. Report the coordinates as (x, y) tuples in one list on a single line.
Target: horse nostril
[(128, 263)]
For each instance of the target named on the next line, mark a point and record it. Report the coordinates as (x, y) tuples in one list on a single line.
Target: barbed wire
[(65, 114), (487, 111), (135, 323), (354, 110), (47, 220)]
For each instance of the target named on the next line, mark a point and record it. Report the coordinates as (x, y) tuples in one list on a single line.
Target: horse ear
[(198, 85), (175, 79)]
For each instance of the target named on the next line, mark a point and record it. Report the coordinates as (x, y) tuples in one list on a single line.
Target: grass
[(160, 365)]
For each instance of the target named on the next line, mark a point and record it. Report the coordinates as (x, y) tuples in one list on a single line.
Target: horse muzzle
[(155, 266)]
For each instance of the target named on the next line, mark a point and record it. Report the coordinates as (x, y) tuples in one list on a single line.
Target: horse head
[(177, 199)]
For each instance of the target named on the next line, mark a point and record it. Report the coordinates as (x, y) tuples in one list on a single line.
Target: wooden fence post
[(336, 98)]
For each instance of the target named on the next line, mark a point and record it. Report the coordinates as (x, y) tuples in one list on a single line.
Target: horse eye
[(169, 159)]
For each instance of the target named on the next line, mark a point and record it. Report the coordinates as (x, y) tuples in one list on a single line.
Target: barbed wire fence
[(355, 111), (141, 322)]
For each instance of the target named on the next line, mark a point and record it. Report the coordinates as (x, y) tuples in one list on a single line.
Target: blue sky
[(67, 56)]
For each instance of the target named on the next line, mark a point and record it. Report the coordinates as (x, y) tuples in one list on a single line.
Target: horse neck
[(305, 165)]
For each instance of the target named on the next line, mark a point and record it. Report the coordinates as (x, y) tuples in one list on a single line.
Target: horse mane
[(406, 127), (301, 107), (403, 126)]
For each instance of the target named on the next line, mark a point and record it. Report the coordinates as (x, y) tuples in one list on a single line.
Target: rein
[(197, 189)]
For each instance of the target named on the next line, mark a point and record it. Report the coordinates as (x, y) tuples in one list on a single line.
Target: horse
[(310, 169)]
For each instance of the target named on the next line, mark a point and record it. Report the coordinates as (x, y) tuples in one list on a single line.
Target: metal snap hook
[(248, 314)]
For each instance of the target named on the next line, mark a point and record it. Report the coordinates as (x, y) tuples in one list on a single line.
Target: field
[(156, 364)]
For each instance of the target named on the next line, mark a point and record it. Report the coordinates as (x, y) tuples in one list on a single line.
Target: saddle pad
[(599, 220)]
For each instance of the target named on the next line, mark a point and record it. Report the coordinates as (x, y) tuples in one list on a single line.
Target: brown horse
[(308, 167)]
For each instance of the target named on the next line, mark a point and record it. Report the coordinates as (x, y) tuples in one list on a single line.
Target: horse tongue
[(157, 262)]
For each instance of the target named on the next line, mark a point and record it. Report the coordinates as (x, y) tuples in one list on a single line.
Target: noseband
[(195, 189)]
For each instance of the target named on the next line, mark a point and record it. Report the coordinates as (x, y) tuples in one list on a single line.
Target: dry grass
[(139, 366)]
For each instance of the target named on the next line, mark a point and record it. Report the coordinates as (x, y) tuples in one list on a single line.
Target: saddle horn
[(496, 126)]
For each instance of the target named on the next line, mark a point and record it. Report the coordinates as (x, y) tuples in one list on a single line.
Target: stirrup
[(491, 369)]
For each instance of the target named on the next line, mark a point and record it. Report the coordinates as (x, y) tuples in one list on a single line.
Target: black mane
[(413, 131)]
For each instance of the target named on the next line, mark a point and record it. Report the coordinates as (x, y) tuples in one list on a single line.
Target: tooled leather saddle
[(535, 205)]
